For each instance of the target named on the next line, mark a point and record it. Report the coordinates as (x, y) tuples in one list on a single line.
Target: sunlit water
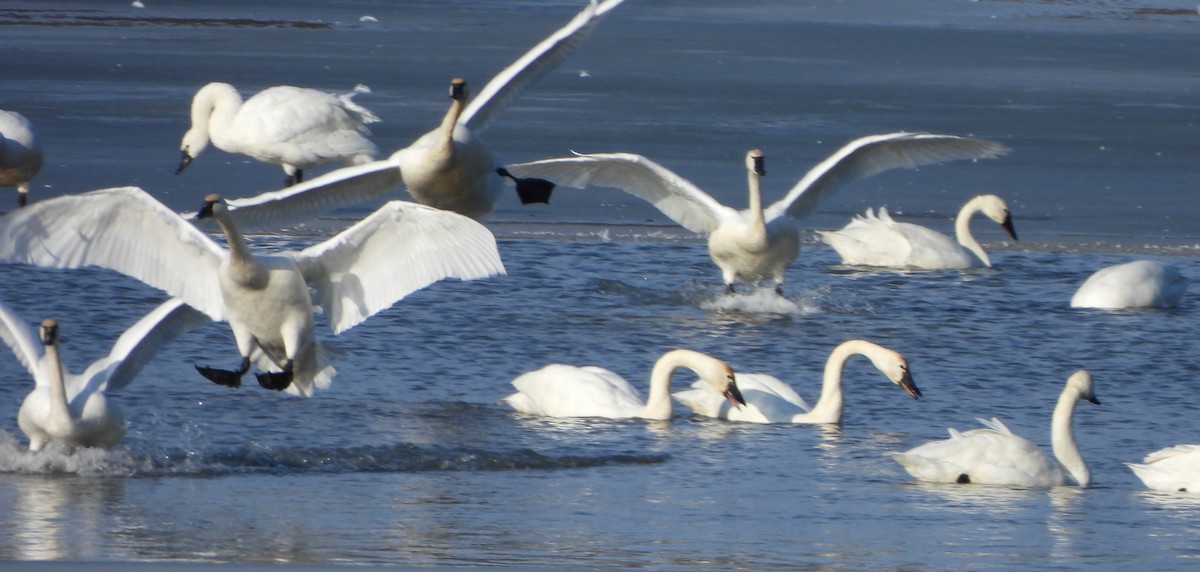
[(409, 458)]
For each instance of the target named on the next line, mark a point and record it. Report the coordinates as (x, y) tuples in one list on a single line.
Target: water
[(409, 460)]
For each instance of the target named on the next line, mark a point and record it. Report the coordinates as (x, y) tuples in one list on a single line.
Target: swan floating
[(996, 456), (1174, 469), (398, 249), (20, 154), (1137, 284), (871, 240), (756, 244), (295, 127), (72, 408), (769, 400), (559, 390)]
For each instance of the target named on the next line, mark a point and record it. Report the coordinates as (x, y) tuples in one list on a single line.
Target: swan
[(450, 167), (995, 456), (294, 127), (871, 240), (1137, 284), (559, 390), (769, 400), (72, 408), (1174, 469), (755, 244), (398, 249), (20, 153)]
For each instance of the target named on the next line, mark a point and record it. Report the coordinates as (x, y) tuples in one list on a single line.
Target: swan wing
[(303, 124), (772, 386), (23, 338), (1172, 469), (993, 455), (397, 250), (871, 240), (137, 345), (768, 400), (875, 154), (559, 390), (532, 66), (1190, 453), (675, 196), (1137, 284), (122, 229)]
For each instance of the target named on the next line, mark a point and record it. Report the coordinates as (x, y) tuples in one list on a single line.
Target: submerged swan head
[(1081, 382), (994, 208), (49, 332), (754, 163), (895, 367)]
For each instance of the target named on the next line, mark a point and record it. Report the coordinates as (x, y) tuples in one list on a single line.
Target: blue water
[(408, 459)]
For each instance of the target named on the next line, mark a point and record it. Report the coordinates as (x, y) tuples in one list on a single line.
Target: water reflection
[(58, 517)]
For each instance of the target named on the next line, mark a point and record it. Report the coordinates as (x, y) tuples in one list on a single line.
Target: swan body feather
[(1137, 284)]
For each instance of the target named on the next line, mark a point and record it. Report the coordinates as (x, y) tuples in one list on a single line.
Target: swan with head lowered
[(769, 400), (559, 390), (295, 127), (398, 249), (1174, 469), (877, 240), (1137, 284), (756, 244), (72, 408), (20, 153), (997, 456)]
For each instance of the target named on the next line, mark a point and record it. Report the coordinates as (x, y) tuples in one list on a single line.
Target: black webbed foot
[(276, 380), (530, 190), (226, 377)]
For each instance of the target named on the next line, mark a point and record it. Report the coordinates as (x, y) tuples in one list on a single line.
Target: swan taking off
[(756, 244), (20, 154), (871, 240), (769, 400), (1174, 469), (1137, 284), (567, 391), (398, 249), (295, 127), (72, 408), (995, 456)]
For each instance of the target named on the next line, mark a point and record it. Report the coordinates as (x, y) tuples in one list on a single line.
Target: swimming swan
[(769, 400), (756, 244), (295, 127), (20, 153), (1174, 469), (398, 249), (567, 391), (871, 240), (1137, 284), (72, 408), (995, 456)]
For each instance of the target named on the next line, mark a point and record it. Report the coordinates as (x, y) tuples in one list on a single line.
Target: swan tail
[(361, 113), (995, 425)]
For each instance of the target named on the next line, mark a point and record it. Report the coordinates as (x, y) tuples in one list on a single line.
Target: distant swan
[(769, 400), (995, 456), (398, 249), (567, 391), (72, 408), (1137, 284), (20, 154), (295, 127), (871, 240), (756, 244), (1174, 469)]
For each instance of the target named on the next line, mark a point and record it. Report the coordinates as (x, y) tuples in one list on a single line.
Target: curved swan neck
[(962, 231), (658, 402), (830, 403), (213, 110), (1062, 439)]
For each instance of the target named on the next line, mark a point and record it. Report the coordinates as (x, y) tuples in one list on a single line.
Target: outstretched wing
[(134, 348), (23, 339)]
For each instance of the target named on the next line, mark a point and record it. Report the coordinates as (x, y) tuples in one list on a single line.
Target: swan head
[(721, 378), (754, 162), (895, 367), (213, 206), (458, 89), (194, 142), (994, 208), (49, 332), (1081, 382)]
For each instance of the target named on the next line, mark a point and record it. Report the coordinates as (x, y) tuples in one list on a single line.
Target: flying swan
[(1174, 469), (995, 456), (559, 390), (871, 240), (1137, 284), (398, 249), (20, 154), (756, 244)]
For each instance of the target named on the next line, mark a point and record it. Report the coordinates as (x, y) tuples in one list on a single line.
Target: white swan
[(449, 167), (567, 391), (1174, 469), (295, 127), (756, 244), (871, 240), (398, 249), (995, 456), (20, 153), (72, 408), (1137, 284), (769, 400)]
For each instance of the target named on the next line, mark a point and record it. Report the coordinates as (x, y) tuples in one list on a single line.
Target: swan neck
[(213, 110), (59, 408), (239, 252), (830, 403), (658, 402), (1062, 439), (962, 231), (450, 121)]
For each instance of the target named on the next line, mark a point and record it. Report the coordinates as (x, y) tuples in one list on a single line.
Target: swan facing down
[(769, 400), (871, 240), (72, 408), (294, 127), (398, 249), (996, 456), (756, 244), (567, 391), (1174, 469), (1137, 284), (20, 154)]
